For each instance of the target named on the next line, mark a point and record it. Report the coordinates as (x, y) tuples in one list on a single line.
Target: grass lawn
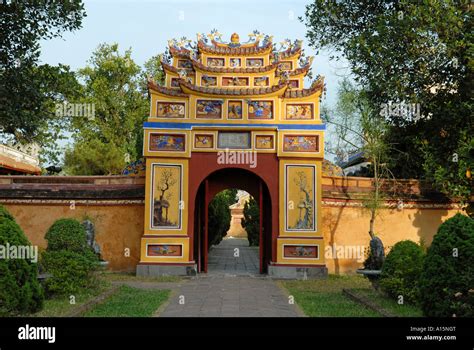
[(404, 310), (324, 298), (130, 302), (61, 305)]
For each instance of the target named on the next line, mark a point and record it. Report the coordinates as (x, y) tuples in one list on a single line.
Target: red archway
[(207, 178)]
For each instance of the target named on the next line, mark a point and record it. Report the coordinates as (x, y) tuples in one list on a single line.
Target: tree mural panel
[(300, 197), (167, 196)]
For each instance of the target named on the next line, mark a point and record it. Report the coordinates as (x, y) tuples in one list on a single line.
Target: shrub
[(70, 271), (401, 271), (68, 258), (5, 214), (251, 222), (219, 216), (20, 291), (67, 234), (447, 280)]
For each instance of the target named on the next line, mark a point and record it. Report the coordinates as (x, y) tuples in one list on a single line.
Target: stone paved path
[(223, 260), (232, 288)]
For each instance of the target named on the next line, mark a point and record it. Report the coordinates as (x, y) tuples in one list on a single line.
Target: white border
[(163, 228), (167, 133), (306, 103), (172, 101), (285, 197), (208, 99), (263, 149), (297, 244), (164, 256)]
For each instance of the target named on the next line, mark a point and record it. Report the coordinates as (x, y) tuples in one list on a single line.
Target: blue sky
[(147, 25)]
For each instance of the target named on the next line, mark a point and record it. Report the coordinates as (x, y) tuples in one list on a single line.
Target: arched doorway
[(216, 182)]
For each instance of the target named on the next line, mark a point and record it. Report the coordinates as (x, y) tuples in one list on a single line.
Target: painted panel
[(261, 81), (166, 196), (167, 142), (171, 109), (215, 62), (299, 111), (286, 65), (300, 251), (301, 143), (235, 81), (260, 109), (264, 142), (207, 80), (209, 109), (203, 141), (254, 62), (165, 250), (294, 84), (234, 110), (174, 82), (185, 64), (300, 195), (234, 140), (235, 62)]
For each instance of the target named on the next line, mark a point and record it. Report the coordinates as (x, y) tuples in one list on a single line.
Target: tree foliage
[(219, 215), (28, 90), (417, 53), (107, 141), (251, 222)]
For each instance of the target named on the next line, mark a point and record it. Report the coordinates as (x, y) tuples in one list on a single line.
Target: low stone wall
[(116, 206)]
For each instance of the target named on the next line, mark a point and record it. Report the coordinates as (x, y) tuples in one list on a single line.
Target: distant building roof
[(13, 161)]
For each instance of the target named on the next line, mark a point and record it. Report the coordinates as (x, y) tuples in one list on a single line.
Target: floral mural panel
[(260, 109), (171, 250), (261, 81), (300, 251), (299, 111), (171, 109), (204, 141), (207, 80), (254, 62), (264, 142), (211, 109), (301, 143), (215, 62), (167, 142), (235, 81)]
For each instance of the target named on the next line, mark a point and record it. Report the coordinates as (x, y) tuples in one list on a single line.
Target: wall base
[(297, 272), (153, 270)]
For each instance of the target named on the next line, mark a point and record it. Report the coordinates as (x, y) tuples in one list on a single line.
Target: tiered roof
[(258, 47)]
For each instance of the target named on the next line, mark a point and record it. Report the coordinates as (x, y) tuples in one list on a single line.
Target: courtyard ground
[(232, 287)]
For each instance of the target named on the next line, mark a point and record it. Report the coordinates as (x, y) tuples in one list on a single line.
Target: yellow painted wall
[(349, 226), (117, 227)]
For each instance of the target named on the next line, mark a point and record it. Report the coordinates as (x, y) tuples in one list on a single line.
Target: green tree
[(413, 52), (104, 143), (28, 90), (219, 215), (359, 128), (251, 222)]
